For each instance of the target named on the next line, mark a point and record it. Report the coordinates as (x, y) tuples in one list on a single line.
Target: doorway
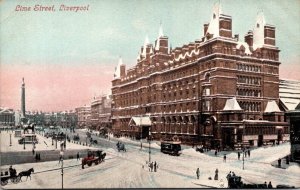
[(260, 140)]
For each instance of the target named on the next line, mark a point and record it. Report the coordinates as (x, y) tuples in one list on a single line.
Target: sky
[(67, 58)]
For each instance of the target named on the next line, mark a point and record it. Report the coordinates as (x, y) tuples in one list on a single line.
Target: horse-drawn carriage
[(121, 146), (235, 182), (9, 174), (95, 157)]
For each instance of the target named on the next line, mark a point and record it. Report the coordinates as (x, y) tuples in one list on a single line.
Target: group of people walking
[(153, 166), (245, 152)]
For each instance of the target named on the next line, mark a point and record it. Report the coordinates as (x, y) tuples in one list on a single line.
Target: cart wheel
[(18, 179), (89, 163), (14, 180), (5, 182), (96, 162)]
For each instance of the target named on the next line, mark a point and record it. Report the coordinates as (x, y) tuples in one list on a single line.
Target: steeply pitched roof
[(231, 104), (272, 107), (140, 121)]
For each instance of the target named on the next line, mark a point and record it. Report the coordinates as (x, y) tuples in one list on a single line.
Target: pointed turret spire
[(258, 31), (120, 62), (145, 46), (151, 50), (214, 27), (160, 32), (117, 73)]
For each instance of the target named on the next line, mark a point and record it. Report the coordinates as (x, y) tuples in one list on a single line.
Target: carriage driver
[(12, 171)]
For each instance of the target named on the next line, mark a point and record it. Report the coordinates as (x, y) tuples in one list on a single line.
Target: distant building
[(68, 119), (101, 112), (7, 117), (219, 90), (83, 116), (289, 93)]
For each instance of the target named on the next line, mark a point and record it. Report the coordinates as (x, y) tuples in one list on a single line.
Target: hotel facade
[(219, 91)]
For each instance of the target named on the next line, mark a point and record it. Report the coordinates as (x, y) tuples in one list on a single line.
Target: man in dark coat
[(279, 163), (239, 155), (216, 174), (270, 186), (155, 165), (77, 155), (198, 173)]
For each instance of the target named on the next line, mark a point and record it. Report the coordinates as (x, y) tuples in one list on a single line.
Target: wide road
[(105, 143)]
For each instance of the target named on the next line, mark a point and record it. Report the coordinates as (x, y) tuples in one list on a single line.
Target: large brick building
[(218, 90)]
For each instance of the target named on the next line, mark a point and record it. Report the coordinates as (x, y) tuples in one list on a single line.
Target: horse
[(26, 173)]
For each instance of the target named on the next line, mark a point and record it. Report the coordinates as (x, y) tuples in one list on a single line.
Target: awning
[(140, 121)]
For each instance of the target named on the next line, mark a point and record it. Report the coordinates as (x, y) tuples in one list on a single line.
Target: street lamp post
[(62, 169), (24, 143), (243, 158), (9, 139), (149, 149), (141, 138)]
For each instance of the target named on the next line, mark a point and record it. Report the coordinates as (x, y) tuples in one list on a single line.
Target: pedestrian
[(60, 159), (245, 153), (216, 153), (32, 151), (265, 185), (239, 155), (216, 174), (151, 166), (77, 156), (228, 177), (287, 160), (279, 163), (270, 186), (155, 165), (249, 153), (233, 174), (198, 173), (224, 158)]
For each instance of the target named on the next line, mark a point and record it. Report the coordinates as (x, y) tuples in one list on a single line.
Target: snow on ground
[(44, 143), (153, 144), (129, 169)]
